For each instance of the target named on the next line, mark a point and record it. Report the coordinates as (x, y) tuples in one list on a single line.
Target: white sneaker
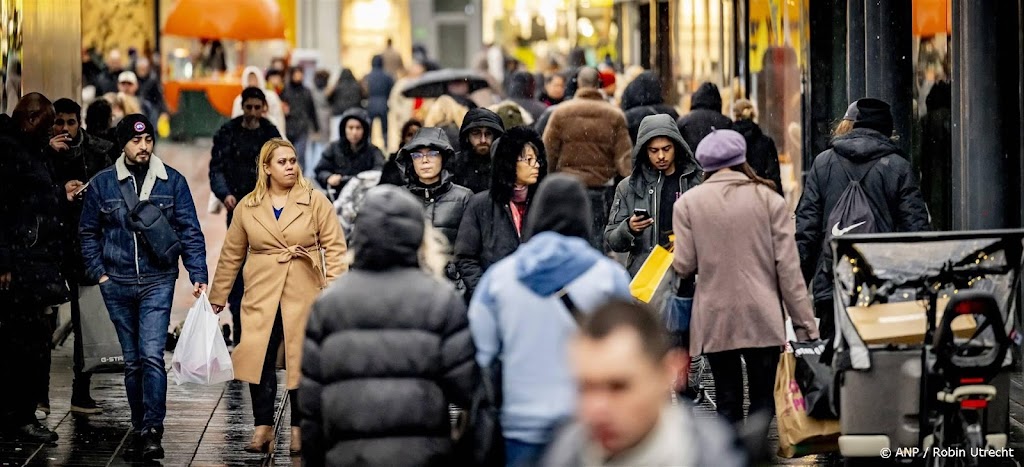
[(40, 415)]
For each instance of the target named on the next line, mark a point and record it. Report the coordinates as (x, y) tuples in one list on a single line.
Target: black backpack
[(853, 212)]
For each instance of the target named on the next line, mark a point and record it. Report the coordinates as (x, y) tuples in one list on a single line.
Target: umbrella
[(243, 20), (435, 83)]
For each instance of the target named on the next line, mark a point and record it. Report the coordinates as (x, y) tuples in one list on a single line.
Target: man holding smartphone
[(77, 156), (663, 169)]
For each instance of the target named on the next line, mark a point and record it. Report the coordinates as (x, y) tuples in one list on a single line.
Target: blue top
[(277, 213), (515, 315)]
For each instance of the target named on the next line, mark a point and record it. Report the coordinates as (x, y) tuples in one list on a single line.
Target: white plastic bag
[(201, 356)]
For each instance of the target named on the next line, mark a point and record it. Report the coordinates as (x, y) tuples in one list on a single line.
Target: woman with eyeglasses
[(492, 226)]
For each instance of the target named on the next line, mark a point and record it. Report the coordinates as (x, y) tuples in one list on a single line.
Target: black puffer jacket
[(762, 155), (469, 169), (705, 115), (346, 94), (340, 158), (891, 186), (233, 160), (642, 98), (444, 202), (381, 364)]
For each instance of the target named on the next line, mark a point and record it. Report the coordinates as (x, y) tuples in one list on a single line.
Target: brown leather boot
[(261, 439), (296, 447)]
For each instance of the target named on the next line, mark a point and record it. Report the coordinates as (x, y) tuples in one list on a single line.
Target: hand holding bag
[(201, 356)]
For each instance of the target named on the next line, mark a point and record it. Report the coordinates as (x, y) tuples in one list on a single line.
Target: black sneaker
[(34, 432), (151, 448), (85, 406)]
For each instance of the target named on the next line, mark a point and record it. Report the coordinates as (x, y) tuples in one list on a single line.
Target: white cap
[(127, 77)]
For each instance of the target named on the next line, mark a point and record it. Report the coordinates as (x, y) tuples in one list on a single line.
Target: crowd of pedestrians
[(479, 273)]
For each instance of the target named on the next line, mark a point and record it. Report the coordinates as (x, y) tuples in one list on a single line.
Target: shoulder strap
[(131, 198), (570, 306), (843, 165)]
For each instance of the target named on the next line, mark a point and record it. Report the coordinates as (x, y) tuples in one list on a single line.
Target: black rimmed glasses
[(530, 161)]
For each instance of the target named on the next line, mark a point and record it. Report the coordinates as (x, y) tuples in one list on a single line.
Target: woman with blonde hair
[(293, 246), (446, 113)]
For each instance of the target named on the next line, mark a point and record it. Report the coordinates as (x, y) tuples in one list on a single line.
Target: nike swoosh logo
[(837, 232)]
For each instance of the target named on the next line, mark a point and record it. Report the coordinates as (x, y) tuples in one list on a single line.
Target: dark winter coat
[(642, 189), (301, 119), (381, 364), (588, 137), (378, 86), (340, 158), (234, 159), (937, 155), (30, 231), (488, 233), (705, 115), (469, 169), (152, 91), (444, 202), (762, 155), (81, 162), (347, 93), (521, 88), (891, 186), (642, 98)]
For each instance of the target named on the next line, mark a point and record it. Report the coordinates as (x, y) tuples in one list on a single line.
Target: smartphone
[(642, 214)]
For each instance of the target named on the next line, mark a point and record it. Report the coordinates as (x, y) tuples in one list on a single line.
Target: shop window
[(932, 152), (451, 38), (449, 6)]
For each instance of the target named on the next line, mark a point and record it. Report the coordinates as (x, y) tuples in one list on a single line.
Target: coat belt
[(285, 255)]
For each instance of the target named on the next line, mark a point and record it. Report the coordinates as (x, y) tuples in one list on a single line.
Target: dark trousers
[(80, 386), (235, 297), (600, 203), (141, 314), (728, 373), (825, 311), (40, 376), (264, 395), (25, 347), (382, 115)]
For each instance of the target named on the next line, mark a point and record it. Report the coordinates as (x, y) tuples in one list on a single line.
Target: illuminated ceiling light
[(586, 27)]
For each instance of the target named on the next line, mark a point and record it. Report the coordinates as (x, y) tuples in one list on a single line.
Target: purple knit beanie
[(721, 149)]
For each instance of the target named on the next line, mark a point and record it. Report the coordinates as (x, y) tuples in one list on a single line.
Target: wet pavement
[(209, 425)]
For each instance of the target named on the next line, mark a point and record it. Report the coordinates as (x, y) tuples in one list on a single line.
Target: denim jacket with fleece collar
[(110, 248)]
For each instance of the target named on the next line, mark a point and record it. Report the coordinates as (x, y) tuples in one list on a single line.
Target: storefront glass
[(10, 54), (932, 137), (534, 31)]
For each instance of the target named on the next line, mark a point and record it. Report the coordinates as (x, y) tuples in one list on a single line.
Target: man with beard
[(472, 167), (30, 276), (77, 156), (234, 170), (136, 266)]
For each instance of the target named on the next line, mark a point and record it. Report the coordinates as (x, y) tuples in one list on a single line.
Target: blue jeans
[(520, 454), (308, 163), (141, 313)]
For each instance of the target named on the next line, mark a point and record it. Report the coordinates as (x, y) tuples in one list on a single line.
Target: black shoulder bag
[(148, 221)]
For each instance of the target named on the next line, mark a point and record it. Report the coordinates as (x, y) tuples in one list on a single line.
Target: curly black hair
[(504, 155)]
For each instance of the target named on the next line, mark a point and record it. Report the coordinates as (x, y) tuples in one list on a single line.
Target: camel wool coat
[(282, 269)]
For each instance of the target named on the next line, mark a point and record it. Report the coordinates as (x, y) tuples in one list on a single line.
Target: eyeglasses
[(425, 155), (530, 161)]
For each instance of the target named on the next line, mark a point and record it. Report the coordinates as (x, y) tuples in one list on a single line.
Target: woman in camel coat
[(282, 227)]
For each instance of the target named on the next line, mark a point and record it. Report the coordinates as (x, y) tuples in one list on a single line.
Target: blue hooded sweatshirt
[(515, 315)]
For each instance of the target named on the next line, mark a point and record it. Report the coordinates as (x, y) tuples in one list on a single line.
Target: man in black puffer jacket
[(642, 98), (471, 168), (352, 154), (888, 180), (705, 115), (381, 363)]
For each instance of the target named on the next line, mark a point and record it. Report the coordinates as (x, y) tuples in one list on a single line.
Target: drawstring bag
[(201, 356)]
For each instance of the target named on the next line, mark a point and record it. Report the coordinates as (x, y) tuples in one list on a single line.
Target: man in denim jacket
[(137, 286)]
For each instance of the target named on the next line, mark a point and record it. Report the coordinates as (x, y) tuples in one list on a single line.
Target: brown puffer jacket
[(589, 138)]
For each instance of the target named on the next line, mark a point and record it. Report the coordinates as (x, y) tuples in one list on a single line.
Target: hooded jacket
[(444, 202), (234, 169), (469, 169), (705, 115), (890, 184), (762, 155), (642, 98), (340, 158), (517, 316), (521, 88), (275, 111), (589, 138), (347, 93), (488, 233), (642, 190), (301, 116), (381, 364)]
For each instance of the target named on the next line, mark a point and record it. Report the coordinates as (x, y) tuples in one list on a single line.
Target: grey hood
[(429, 137), (655, 126)]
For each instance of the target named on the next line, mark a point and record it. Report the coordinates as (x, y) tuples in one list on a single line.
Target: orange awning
[(244, 20), (932, 17)]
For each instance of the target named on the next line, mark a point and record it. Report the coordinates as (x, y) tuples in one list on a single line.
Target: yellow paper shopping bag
[(652, 274)]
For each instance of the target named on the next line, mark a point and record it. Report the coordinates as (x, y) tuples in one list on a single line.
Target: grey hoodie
[(642, 190)]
